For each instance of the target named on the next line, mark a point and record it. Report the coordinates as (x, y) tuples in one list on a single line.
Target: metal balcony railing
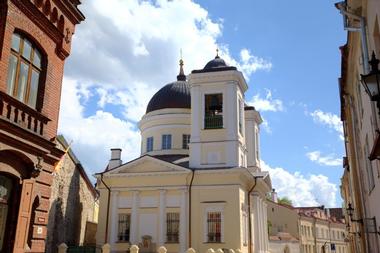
[(214, 122), (22, 115)]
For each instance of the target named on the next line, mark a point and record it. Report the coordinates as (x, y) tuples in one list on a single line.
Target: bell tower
[(217, 116)]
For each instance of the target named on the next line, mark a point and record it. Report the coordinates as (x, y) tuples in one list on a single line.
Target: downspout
[(249, 214), (190, 185), (108, 208)]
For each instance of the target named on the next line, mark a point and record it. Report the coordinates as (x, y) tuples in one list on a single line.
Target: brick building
[(35, 40)]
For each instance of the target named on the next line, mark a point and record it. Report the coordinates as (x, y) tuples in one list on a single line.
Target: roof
[(78, 165), (172, 95)]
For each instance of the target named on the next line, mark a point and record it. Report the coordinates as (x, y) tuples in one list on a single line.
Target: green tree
[(285, 201)]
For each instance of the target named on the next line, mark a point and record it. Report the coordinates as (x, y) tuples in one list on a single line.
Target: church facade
[(198, 181)]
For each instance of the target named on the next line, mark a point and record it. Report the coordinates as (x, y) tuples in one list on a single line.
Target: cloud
[(121, 55), (266, 103), (328, 160), (93, 136), (311, 190), (330, 120)]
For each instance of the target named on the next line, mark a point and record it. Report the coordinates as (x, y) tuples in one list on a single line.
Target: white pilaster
[(183, 222), (114, 217), (260, 221), (266, 227), (162, 219), (256, 224), (134, 218)]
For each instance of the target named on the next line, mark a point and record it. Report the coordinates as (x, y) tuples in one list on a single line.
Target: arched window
[(24, 70)]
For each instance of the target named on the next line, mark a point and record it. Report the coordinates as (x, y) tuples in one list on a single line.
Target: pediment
[(147, 164)]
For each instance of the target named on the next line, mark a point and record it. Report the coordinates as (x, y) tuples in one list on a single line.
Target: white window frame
[(165, 143), (213, 207), (147, 144)]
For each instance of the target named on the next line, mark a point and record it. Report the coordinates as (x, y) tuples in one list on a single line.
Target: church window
[(185, 141), (214, 227), (149, 144), (166, 141), (213, 117), (172, 227), (24, 70), (124, 227)]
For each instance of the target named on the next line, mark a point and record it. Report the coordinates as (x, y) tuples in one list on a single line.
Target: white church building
[(198, 181)]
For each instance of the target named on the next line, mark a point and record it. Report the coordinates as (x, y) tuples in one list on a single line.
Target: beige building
[(198, 181), (73, 212), (361, 179), (305, 229), (322, 232)]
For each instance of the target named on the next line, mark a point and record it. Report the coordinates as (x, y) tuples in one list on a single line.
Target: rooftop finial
[(181, 76), (217, 53)]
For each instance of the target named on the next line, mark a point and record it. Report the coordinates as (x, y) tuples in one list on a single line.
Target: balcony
[(214, 122), (21, 115)]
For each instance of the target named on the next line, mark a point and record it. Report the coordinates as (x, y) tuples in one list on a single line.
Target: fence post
[(62, 248), (210, 250), (162, 249), (190, 250), (134, 249), (106, 248)]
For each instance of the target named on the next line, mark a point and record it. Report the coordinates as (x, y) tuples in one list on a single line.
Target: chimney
[(273, 196), (115, 160)]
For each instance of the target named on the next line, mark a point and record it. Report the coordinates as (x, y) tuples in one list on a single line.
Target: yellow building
[(198, 181), (360, 187)]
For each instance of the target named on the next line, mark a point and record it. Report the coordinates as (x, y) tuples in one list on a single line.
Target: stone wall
[(72, 204)]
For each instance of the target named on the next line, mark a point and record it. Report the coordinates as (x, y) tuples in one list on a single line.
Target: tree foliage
[(285, 201)]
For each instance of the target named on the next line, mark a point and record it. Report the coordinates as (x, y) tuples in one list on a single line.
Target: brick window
[(166, 141), (185, 141), (24, 70), (149, 144), (214, 227), (124, 227), (172, 227)]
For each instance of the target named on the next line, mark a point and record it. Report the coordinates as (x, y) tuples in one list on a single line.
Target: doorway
[(9, 198)]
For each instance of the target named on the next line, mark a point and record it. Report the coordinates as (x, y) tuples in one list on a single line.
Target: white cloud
[(330, 120), (311, 190), (328, 160), (121, 55), (266, 103)]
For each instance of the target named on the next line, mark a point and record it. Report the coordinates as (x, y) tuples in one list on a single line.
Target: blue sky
[(288, 50)]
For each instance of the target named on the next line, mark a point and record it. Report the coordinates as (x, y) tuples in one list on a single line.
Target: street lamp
[(350, 212), (371, 81)]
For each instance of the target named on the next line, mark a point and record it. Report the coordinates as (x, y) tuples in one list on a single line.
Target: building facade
[(74, 206), (35, 40), (360, 187), (198, 181)]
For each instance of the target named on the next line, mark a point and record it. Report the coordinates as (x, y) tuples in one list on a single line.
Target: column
[(162, 218), (261, 232), (114, 216), (266, 239), (256, 222), (134, 218), (183, 222)]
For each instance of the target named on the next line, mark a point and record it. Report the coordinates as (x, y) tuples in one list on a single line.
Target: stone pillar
[(114, 217), (134, 249), (62, 248), (162, 218), (106, 248), (260, 221), (183, 222), (256, 224), (134, 218)]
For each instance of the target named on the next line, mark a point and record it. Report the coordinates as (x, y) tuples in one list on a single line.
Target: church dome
[(172, 95), (216, 64)]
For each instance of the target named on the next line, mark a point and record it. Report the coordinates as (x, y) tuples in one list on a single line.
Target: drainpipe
[(249, 214), (108, 208)]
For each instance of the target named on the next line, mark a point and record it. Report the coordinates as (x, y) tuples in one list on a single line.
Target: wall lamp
[(371, 81), (350, 212)]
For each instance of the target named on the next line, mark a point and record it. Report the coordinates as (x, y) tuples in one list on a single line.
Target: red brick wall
[(50, 43)]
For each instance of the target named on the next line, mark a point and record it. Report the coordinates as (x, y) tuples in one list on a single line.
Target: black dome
[(172, 95), (217, 64)]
